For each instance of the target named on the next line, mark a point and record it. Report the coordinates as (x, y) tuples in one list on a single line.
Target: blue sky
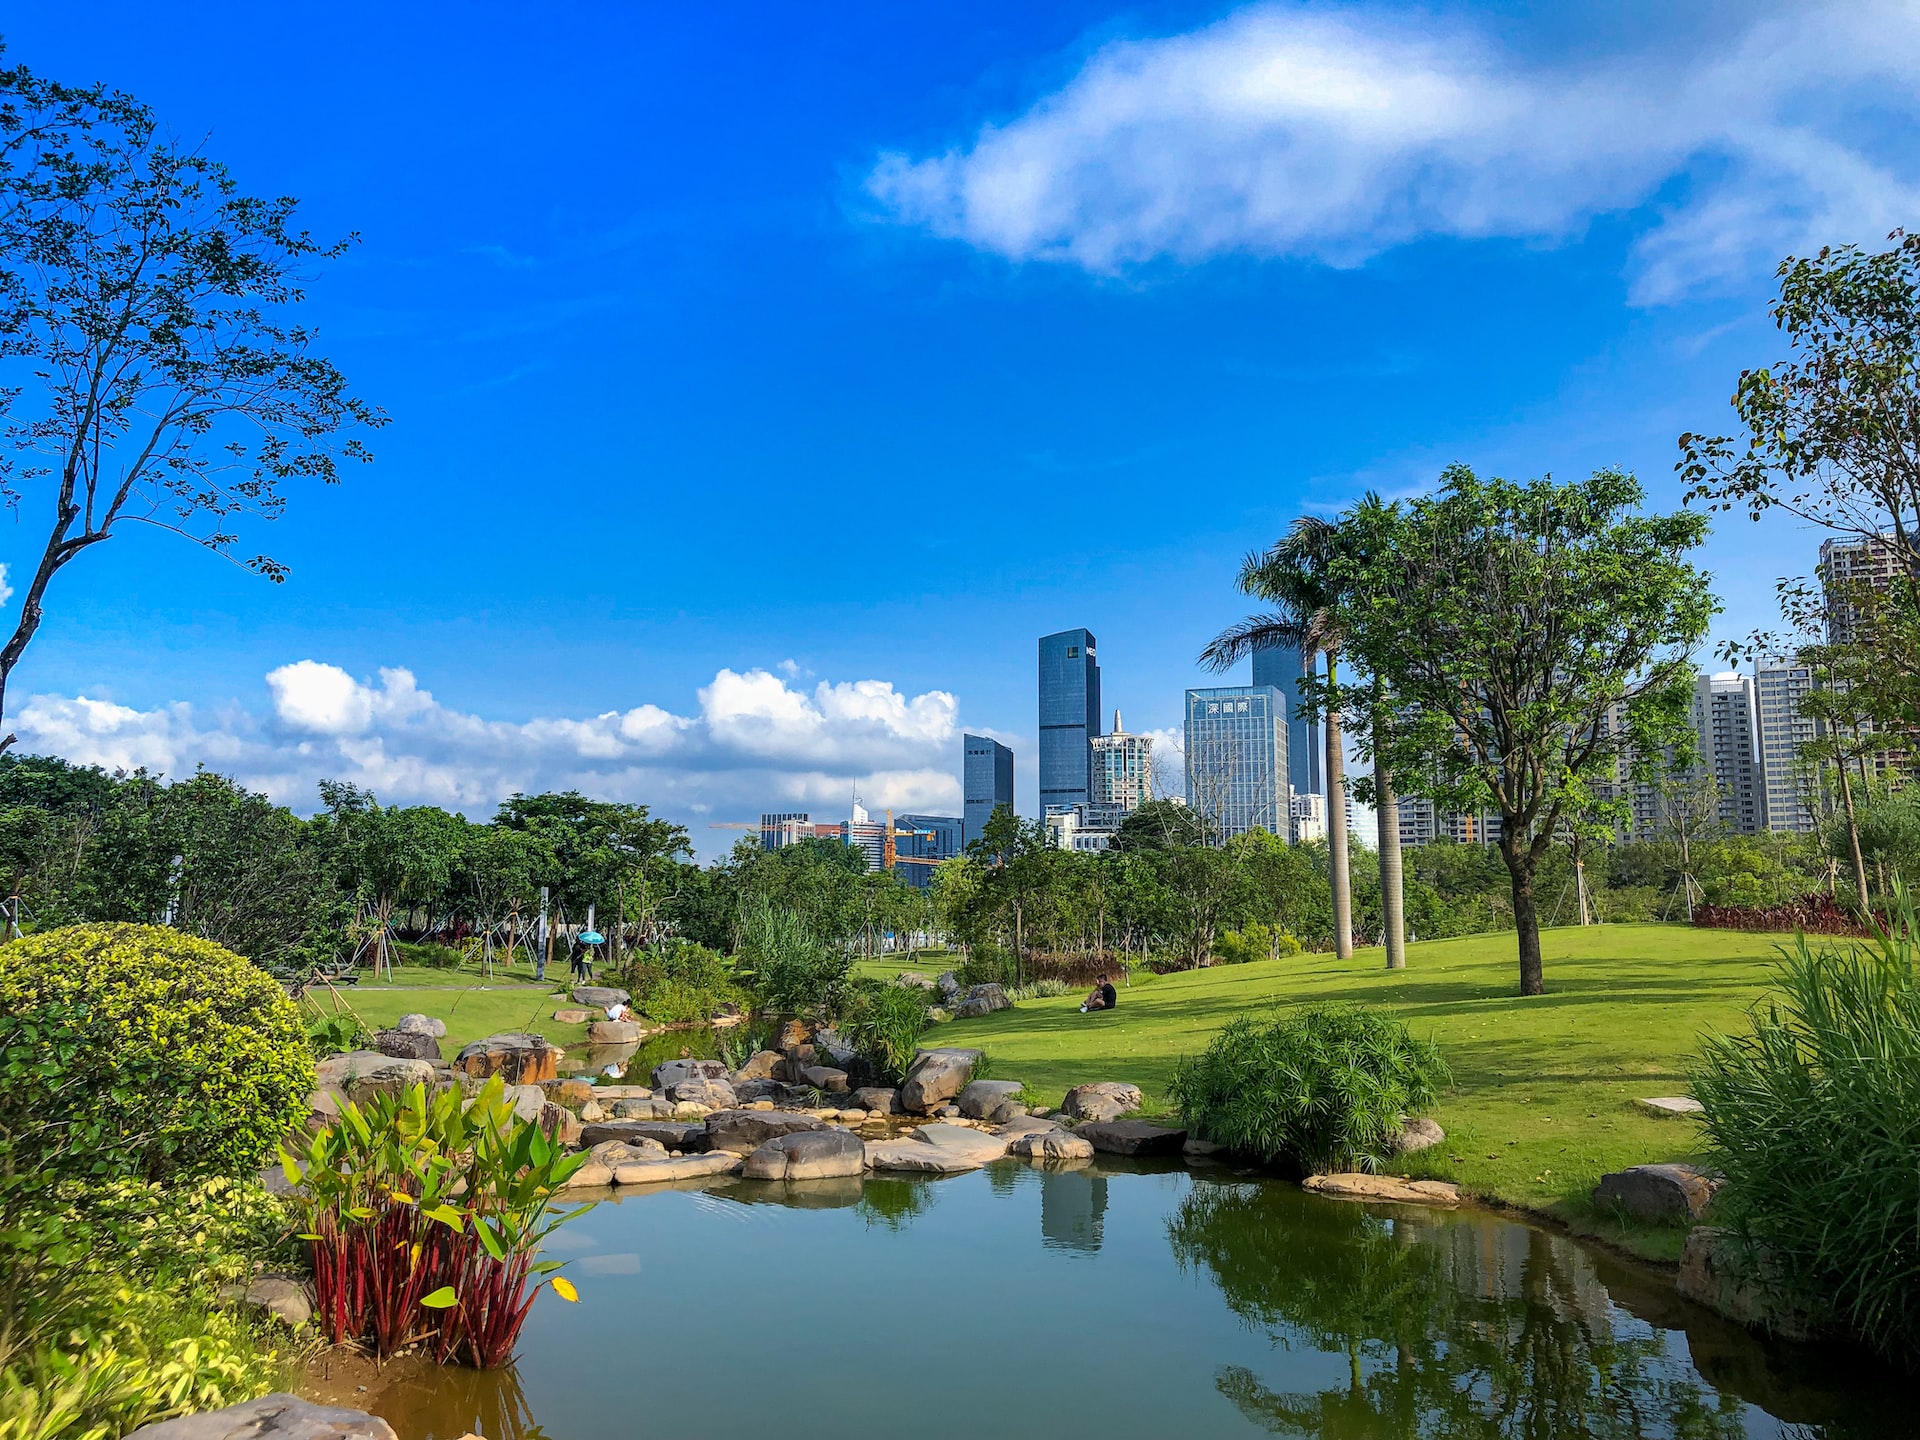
[(765, 379)]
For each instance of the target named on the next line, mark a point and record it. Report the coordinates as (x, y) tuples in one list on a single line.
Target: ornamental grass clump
[(1325, 1088), (884, 1023), (423, 1214), (1813, 1117)]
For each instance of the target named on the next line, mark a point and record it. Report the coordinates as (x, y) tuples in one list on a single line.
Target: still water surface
[(1118, 1302)]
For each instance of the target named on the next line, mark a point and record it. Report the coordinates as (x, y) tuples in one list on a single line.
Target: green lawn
[(473, 1005), (1544, 1088)]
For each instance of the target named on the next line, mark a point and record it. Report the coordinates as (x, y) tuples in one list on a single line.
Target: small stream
[(1117, 1301)]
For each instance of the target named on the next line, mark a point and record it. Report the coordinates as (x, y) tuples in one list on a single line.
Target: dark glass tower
[(986, 783), (1280, 668), (1069, 717)]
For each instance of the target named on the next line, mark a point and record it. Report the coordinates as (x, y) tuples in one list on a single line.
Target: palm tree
[(1293, 576)]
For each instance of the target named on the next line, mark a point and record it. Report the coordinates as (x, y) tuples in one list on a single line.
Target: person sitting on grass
[(1102, 997)]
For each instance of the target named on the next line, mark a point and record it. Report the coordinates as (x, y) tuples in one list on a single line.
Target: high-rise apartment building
[(1279, 666), (1122, 768), (1848, 569), (1069, 717), (1422, 823), (1787, 785), (986, 783), (1237, 759), (1306, 813), (1723, 723)]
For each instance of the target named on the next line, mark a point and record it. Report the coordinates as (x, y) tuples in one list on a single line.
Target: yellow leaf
[(563, 1287)]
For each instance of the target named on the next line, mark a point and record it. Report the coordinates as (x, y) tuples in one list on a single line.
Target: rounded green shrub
[(142, 1051)]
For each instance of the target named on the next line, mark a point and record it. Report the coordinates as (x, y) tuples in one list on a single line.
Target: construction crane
[(890, 853)]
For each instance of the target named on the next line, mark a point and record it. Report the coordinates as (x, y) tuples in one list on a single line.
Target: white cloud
[(1286, 132), (6, 586), (755, 743)]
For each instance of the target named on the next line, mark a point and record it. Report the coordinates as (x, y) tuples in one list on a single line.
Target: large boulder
[(913, 980), (744, 1131), (627, 1152), (936, 1150), (825, 1077), (516, 1059), (271, 1417), (600, 997), (613, 1032), (572, 1093), (422, 1024), (560, 1123), (935, 1077), (528, 1101), (807, 1155), (1053, 1144), (761, 1065), (686, 1167), (673, 1072), (1717, 1271), (996, 1101), (1355, 1185), (877, 1100), (837, 1051), (407, 1044), (1132, 1137), (571, 1016), (1655, 1192), (594, 1175), (1103, 1100), (702, 1090), (981, 1000), (670, 1134), (395, 1077)]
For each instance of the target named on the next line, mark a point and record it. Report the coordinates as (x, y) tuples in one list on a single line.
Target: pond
[(1116, 1301)]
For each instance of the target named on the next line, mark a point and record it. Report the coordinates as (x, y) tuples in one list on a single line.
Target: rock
[(997, 1101), (825, 1077), (685, 1167), (666, 1076), (627, 1152), (799, 1057), (283, 1298), (592, 1111), (744, 1131), (837, 1051), (935, 1077), (516, 1059), (748, 1092), (714, 1094), (560, 1123), (690, 1110), (761, 1065), (937, 1015), (976, 1145), (1415, 1136), (622, 1092), (271, 1417), (642, 1109), (807, 1155), (949, 1112), (1132, 1137), (1715, 1271), (876, 1100), (1025, 1125), (569, 1092), (1356, 1186), (1053, 1144), (591, 1176), (600, 997), (948, 984), (613, 1032), (335, 1071), (1197, 1149), (907, 1154), (528, 1101), (669, 1134), (572, 1017), (1655, 1192), (1670, 1105), (979, 1001), (792, 1033), (913, 980), (420, 1024), (394, 1077), (1103, 1100)]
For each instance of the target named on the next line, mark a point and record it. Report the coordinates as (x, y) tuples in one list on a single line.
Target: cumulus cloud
[(1288, 132), (755, 742)]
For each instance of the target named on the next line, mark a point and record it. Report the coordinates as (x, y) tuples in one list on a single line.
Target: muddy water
[(1118, 1303)]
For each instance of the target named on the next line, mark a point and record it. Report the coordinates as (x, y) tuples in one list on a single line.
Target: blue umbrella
[(592, 937)]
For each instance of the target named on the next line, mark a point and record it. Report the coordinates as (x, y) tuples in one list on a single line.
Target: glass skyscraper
[(986, 783), (1237, 759), (1069, 717), (1280, 668)]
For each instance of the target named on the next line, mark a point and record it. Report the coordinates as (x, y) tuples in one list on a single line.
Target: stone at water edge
[(1102, 1100), (572, 1017), (981, 1001), (825, 1077), (669, 1134), (808, 1155), (613, 1032), (877, 1100), (628, 1152), (962, 1140), (760, 1066), (673, 1072), (1132, 1137), (271, 1417), (911, 1155), (1052, 1144), (936, 1076), (686, 1167), (744, 1131), (1415, 1136), (1714, 1273), (518, 1059), (1670, 1105), (422, 1024), (1353, 1185), (1655, 1192), (600, 997), (1194, 1148), (994, 1100)]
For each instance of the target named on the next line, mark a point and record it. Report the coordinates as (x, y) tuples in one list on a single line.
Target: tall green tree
[(1534, 638), (154, 375)]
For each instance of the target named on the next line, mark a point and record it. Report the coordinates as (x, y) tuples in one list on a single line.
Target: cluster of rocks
[(525, 1064)]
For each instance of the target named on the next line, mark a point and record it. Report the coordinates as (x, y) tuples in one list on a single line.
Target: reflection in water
[(1448, 1330), (1073, 1209), (894, 1202)]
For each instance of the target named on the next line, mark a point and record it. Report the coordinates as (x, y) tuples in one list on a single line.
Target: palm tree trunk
[(1393, 908), (1337, 871)]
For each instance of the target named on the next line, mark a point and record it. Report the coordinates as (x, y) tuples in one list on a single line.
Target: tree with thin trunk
[(149, 373), (1531, 638), (1386, 805), (1294, 577)]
